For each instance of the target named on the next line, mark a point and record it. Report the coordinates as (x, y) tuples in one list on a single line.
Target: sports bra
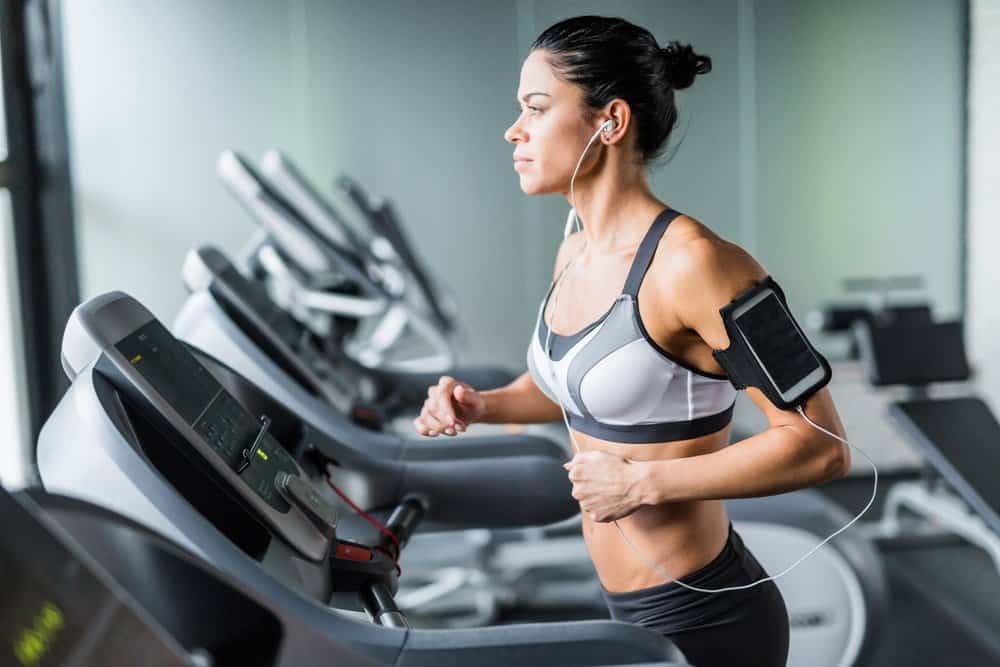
[(616, 383)]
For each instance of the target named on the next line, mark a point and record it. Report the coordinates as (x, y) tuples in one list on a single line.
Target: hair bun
[(683, 64)]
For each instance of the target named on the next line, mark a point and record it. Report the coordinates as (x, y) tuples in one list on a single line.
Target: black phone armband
[(767, 348)]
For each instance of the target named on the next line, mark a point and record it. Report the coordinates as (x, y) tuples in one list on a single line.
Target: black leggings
[(735, 628)]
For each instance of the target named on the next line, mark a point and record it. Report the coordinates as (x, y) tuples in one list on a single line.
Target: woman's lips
[(521, 163)]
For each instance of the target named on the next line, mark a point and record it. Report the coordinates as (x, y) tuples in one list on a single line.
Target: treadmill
[(148, 431), (86, 587), (389, 240), (234, 318), (549, 566)]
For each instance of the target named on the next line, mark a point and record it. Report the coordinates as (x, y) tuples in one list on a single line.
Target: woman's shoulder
[(691, 247), (695, 262)]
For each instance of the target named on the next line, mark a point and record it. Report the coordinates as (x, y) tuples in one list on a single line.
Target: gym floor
[(945, 593)]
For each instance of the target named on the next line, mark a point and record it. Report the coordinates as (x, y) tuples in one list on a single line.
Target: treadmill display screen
[(253, 297), (185, 384), (50, 603), (214, 414), (256, 297)]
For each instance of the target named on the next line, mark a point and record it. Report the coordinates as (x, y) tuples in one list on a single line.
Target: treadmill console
[(58, 608), (242, 443), (153, 370), (286, 341), (284, 326)]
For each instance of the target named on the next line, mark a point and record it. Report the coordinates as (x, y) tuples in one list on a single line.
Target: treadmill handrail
[(288, 230), (385, 222), (394, 318), (308, 202), (316, 211), (304, 296)]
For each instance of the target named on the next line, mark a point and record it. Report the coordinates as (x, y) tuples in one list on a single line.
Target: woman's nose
[(514, 134)]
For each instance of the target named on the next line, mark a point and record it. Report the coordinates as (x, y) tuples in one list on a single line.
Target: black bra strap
[(644, 255)]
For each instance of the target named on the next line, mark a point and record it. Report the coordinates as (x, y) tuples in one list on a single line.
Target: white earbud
[(608, 126)]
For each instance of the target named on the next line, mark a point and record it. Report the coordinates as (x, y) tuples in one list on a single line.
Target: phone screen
[(774, 337)]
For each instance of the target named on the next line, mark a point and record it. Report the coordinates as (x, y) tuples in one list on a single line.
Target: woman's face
[(551, 130)]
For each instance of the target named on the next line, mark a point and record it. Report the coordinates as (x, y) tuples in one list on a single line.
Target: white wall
[(984, 196), (412, 99), (155, 91), (826, 139), (859, 123)]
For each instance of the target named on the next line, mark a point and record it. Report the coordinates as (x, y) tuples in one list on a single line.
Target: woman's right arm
[(452, 405), (520, 402)]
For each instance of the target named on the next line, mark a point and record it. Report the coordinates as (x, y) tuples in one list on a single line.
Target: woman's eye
[(534, 109)]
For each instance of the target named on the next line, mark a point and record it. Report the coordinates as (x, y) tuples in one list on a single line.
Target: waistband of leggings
[(732, 552)]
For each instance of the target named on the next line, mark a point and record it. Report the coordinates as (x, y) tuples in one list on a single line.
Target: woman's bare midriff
[(680, 538)]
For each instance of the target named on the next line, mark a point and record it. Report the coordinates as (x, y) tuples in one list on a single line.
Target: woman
[(649, 408)]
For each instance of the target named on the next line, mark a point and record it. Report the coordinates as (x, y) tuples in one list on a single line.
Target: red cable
[(373, 521)]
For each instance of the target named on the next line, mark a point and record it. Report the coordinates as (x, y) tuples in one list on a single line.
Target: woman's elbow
[(836, 461)]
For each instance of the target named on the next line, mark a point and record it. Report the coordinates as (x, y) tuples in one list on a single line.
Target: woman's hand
[(607, 486), (449, 409)]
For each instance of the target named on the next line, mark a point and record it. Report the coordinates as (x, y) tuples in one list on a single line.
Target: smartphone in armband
[(767, 348)]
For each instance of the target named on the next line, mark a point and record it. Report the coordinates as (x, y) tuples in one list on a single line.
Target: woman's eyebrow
[(528, 96)]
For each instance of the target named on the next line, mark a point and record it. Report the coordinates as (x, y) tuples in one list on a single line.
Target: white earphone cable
[(572, 180)]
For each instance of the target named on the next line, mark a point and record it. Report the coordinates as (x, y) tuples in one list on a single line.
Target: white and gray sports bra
[(616, 383)]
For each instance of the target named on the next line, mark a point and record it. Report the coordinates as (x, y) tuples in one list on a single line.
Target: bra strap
[(644, 255)]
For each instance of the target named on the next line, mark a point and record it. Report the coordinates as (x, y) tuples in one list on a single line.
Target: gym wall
[(826, 140)]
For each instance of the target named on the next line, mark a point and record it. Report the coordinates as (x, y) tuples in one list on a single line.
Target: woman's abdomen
[(679, 537)]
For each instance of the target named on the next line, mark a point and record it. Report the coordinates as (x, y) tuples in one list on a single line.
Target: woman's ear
[(620, 115)]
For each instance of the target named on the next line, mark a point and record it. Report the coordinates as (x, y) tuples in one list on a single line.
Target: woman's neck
[(615, 206)]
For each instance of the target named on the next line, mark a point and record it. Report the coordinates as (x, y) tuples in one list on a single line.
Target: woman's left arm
[(704, 276), (789, 455)]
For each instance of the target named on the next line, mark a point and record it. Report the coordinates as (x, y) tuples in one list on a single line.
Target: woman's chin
[(530, 186)]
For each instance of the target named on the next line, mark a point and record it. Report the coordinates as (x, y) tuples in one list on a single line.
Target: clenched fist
[(449, 409), (607, 486)]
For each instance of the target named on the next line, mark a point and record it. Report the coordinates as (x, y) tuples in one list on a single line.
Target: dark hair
[(610, 58)]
